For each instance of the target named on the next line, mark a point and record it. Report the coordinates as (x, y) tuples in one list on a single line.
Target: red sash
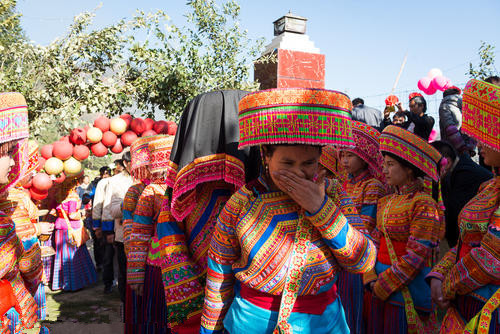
[(383, 253), (309, 304)]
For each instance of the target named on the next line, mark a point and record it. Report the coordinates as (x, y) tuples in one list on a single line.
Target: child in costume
[(407, 236)]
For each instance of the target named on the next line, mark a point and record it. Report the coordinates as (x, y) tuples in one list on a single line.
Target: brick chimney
[(298, 62)]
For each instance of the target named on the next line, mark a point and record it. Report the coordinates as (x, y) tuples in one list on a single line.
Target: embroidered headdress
[(330, 160), (140, 158), (295, 116), (13, 117), (411, 148), (367, 147), (481, 112), (159, 152), (14, 126)]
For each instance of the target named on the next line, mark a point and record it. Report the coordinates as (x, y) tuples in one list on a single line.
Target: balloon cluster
[(63, 158), (433, 82)]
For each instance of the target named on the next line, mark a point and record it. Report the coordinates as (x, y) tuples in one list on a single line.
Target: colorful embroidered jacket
[(410, 218), (129, 205), (476, 268), (14, 263), (185, 249), (254, 237), (143, 244), (365, 191), (23, 212)]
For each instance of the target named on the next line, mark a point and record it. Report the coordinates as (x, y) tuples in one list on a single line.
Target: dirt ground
[(84, 311), (88, 311)]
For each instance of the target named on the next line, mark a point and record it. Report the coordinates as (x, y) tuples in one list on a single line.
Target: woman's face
[(302, 160), (351, 163), (395, 173), (491, 157), (6, 164)]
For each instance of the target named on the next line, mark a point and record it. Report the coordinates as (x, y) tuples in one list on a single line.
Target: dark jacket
[(419, 125), (458, 187)]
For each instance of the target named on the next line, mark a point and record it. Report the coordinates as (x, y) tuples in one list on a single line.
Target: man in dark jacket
[(459, 184)]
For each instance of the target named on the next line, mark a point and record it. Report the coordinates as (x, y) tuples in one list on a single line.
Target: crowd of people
[(277, 211)]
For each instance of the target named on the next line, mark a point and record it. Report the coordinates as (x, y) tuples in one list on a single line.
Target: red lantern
[(78, 136), (138, 126), (46, 151), (128, 138), (38, 195), (161, 127), (109, 139), (81, 152), (102, 123), (62, 150), (99, 150), (42, 182)]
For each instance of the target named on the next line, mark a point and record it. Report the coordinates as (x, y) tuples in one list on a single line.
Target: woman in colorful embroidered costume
[(73, 267), (206, 168), (20, 275), (18, 205), (363, 185), (406, 235), (468, 275), (143, 255), (139, 171), (281, 239)]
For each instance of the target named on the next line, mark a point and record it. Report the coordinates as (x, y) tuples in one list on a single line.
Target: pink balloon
[(431, 90), (424, 83), (439, 82)]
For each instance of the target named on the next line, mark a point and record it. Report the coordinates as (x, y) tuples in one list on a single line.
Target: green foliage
[(110, 70), (486, 66), (10, 27)]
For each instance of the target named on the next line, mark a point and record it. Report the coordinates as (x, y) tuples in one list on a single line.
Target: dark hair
[(357, 101), (451, 91), (416, 171), (86, 198), (419, 100), (119, 162), (6, 147), (445, 148), (269, 149), (494, 79), (104, 169), (400, 114), (126, 156)]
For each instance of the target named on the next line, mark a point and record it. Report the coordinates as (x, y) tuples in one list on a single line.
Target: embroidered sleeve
[(352, 249), (129, 204), (424, 235), (479, 267), (184, 291), (224, 251), (441, 269), (368, 213), (140, 235)]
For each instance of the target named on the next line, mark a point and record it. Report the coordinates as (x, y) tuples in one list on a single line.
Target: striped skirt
[(351, 292), (387, 318), (73, 268), (133, 311), (41, 302), (47, 262), (154, 306), (469, 306)]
